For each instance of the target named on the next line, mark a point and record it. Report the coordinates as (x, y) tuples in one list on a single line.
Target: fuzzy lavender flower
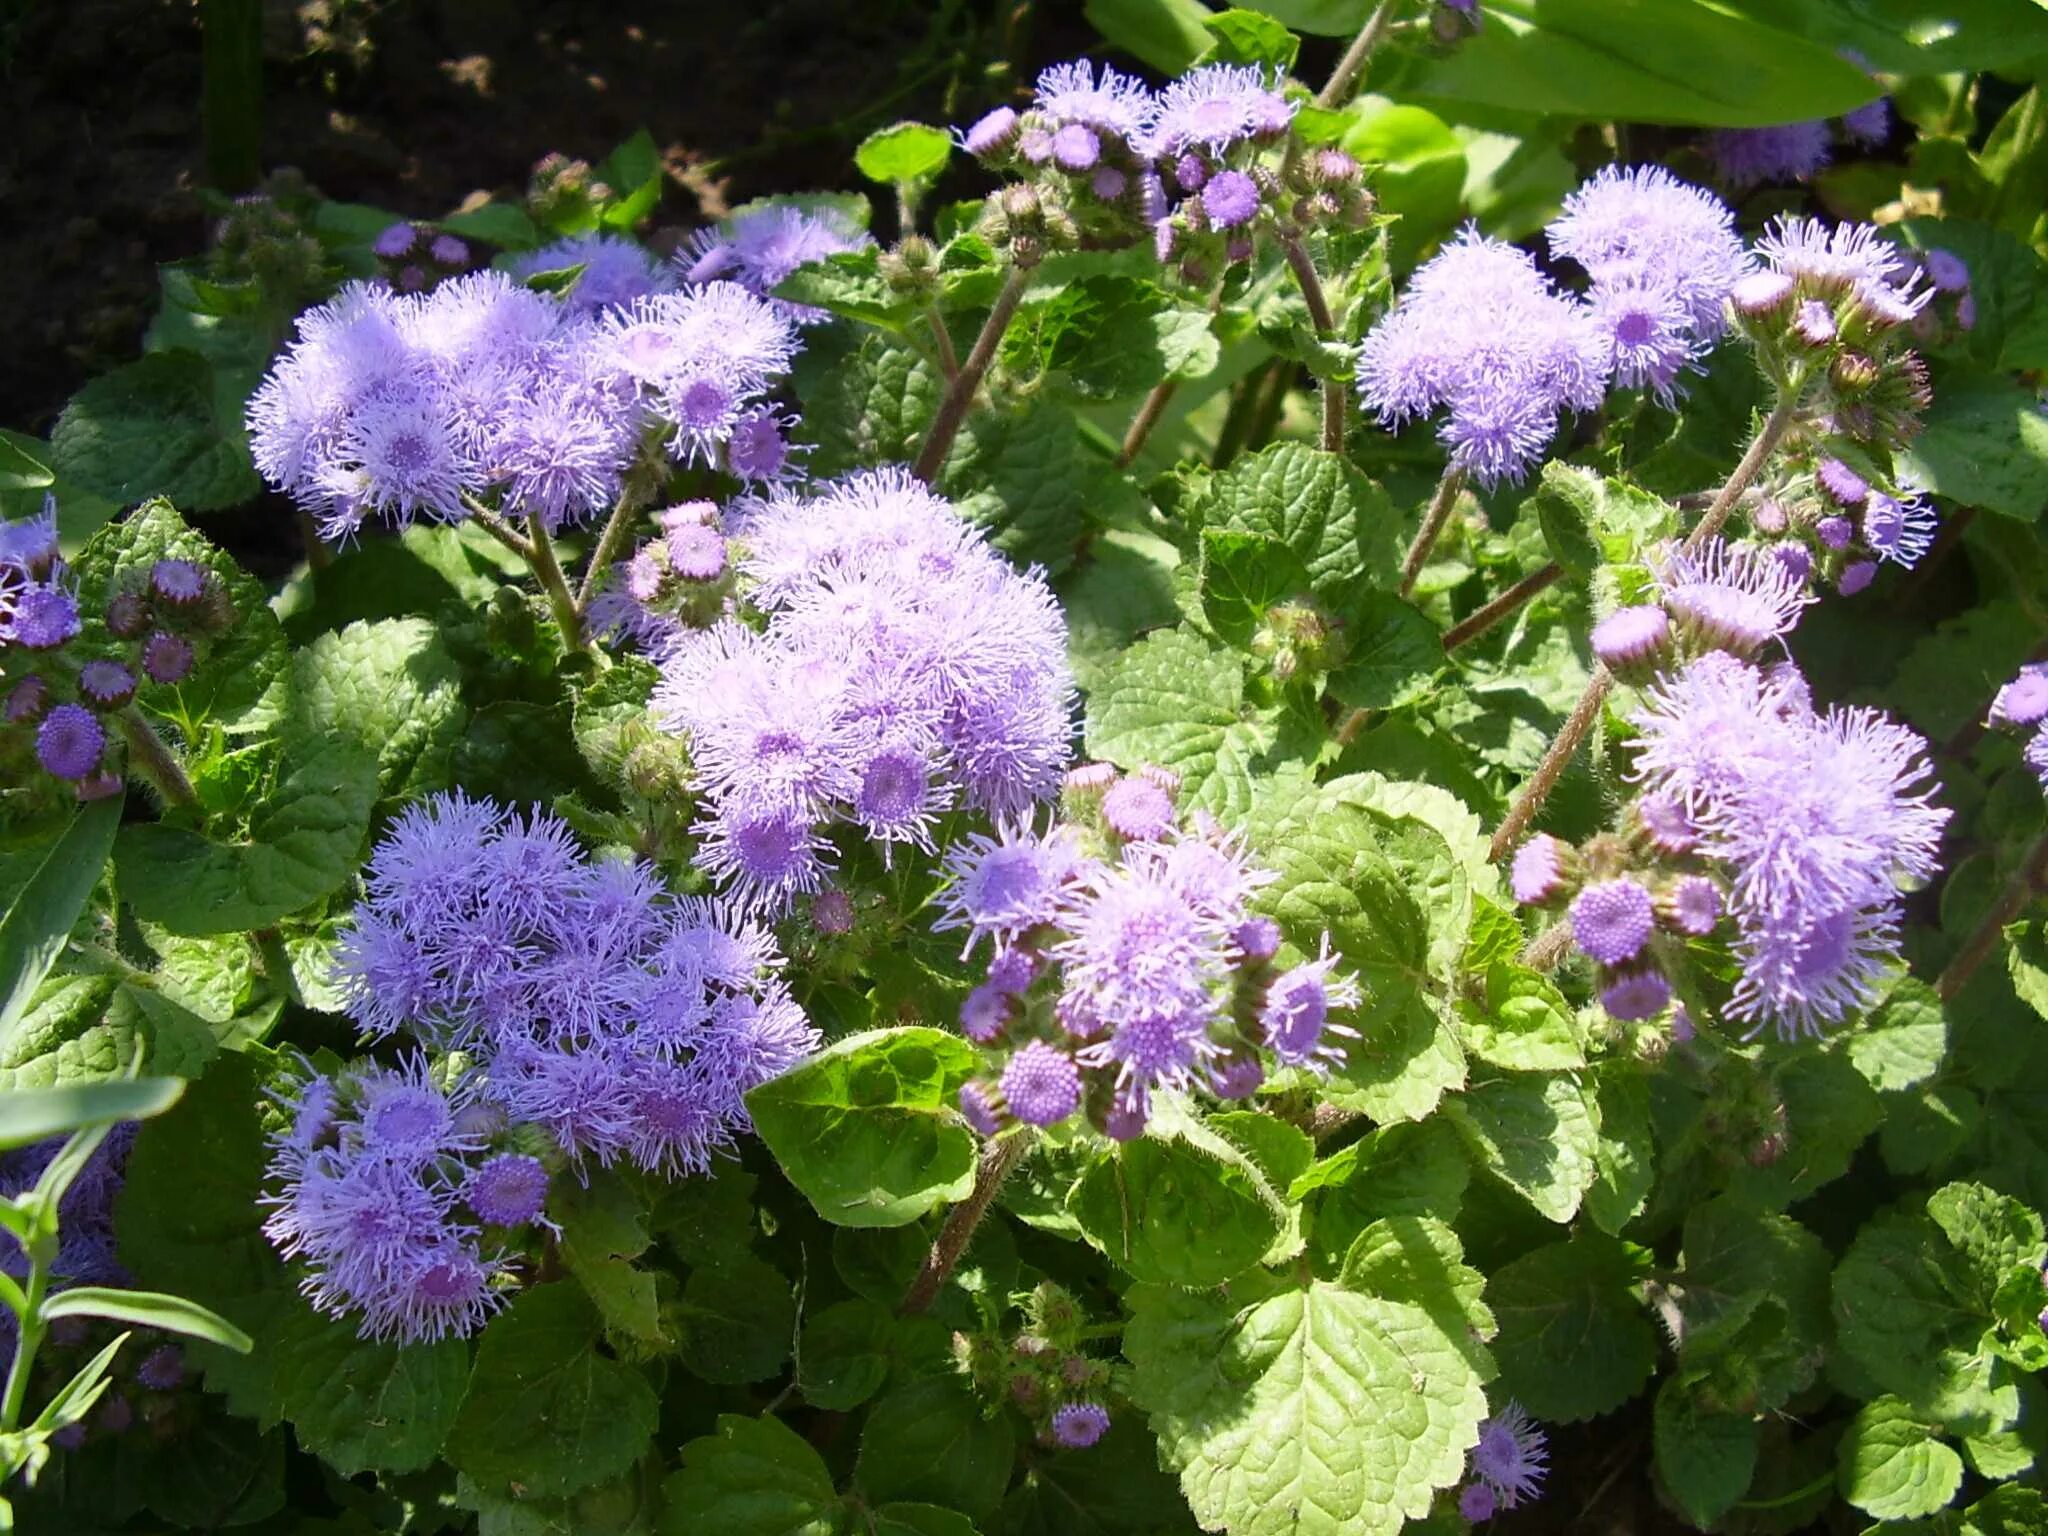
[(1482, 334), (616, 271), (1730, 597), (508, 1191), (1632, 638), (904, 668), (1947, 271), (1748, 157), (1138, 809), (166, 658), (30, 544), (69, 742), (1817, 819), (1215, 108), (1041, 1085), (758, 249), (1846, 259), (1510, 1456), (1870, 124), (1642, 224), (625, 1022), (1538, 875), (1634, 996), (1077, 95), (1295, 1013), (1003, 887), (2024, 700), (1692, 905), (41, 615), (991, 135), (1899, 528), (1612, 920), (1229, 199), (1079, 1425)]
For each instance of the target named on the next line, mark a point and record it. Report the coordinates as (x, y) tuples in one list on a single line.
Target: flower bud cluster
[(1127, 959), (265, 238), (1042, 1370), (415, 257), (1830, 515), (61, 676), (1201, 166), (1835, 308)]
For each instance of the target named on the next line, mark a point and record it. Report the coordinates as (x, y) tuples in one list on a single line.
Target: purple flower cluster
[(85, 1216), (903, 669), (1663, 257), (1749, 157), (374, 1172), (1126, 961), (759, 248), (2022, 707), (1736, 598), (1801, 827), (615, 272), (625, 1022), (418, 405), (1185, 163), (1508, 1465), (1485, 336), (55, 687)]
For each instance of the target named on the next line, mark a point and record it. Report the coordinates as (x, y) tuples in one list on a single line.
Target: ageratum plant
[(1310, 800)]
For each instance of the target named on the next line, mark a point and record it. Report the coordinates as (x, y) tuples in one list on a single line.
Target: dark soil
[(415, 105)]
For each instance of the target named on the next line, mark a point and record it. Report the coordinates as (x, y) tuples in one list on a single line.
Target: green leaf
[(1941, 685), (505, 225), (928, 1442), (634, 173), (1244, 577), (1574, 1342), (1567, 503), (1295, 1408), (1893, 1466), (1114, 1488), (1179, 1205), (1110, 336), (850, 284), (1682, 61), (603, 1230), (1536, 1133), (1524, 1023), (736, 1318), (1904, 1039), (1751, 1313), (1418, 169), (39, 920), (22, 466), (154, 427), (866, 400), (1829, 1110), (148, 1309), (1398, 1170), (912, 152), (1340, 523), (34, 1114), (867, 1129), (1177, 700), (1246, 37), (1985, 444), (844, 1355), (303, 844), (1335, 877), (361, 1405), (1405, 1059), (1166, 34), (391, 688), (1025, 475), (545, 1410), (1392, 650), (753, 1477), (1705, 1458)]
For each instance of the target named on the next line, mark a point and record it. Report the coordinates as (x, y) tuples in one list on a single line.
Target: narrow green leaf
[(36, 1113), (149, 1309), (39, 921)]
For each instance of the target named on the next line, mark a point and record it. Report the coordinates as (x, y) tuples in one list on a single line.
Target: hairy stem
[(1326, 327), (1480, 620), (997, 1159), (1548, 948), (498, 528), (155, 757), (1326, 1120), (618, 528), (1345, 75), (961, 389), (318, 555), (949, 360), (1433, 521), (277, 964), (1587, 710), (549, 572), (1146, 419), (2026, 880)]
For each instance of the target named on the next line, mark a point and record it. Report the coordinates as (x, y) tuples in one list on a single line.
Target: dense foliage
[(1326, 818)]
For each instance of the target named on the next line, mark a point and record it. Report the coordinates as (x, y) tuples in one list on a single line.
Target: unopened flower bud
[(127, 615)]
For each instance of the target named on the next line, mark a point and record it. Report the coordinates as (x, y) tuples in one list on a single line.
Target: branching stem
[(997, 1159), (1587, 710), (1480, 620), (1345, 75), (1433, 521), (960, 390), (1311, 285), (155, 757), (554, 583), (2012, 901)]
